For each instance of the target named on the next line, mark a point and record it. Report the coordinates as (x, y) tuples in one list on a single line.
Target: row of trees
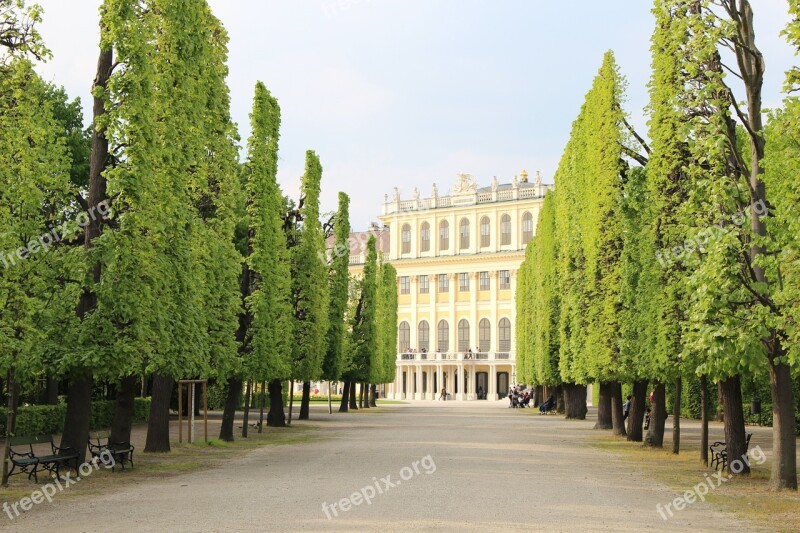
[(143, 247), (674, 257)]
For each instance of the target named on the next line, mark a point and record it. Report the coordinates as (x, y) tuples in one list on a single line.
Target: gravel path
[(480, 466)]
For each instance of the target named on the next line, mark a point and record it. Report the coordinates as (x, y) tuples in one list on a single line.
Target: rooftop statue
[(464, 185)]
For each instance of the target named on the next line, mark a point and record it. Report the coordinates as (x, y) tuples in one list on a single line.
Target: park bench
[(719, 452), (550, 409), (29, 462), (100, 442)]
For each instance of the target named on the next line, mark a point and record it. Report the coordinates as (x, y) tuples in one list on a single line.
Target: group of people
[(519, 397), (626, 410), (469, 354), (414, 350)]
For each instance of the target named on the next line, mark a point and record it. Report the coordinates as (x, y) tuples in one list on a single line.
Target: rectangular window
[(463, 282), (505, 279), (405, 285), (444, 285), (484, 286), (423, 285)]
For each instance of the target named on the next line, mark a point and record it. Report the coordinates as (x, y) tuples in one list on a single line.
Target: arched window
[(404, 337), (423, 336), (444, 235), (425, 237), (486, 230), (463, 231), (527, 227), (504, 332), (463, 335), (505, 229), (443, 336), (405, 235), (484, 335)]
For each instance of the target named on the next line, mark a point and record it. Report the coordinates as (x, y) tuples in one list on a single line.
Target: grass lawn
[(748, 497), (183, 458)]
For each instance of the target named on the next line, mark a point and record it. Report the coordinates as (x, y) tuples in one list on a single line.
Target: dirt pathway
[(479, 466)]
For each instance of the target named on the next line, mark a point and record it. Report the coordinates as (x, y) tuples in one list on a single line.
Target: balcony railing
[(467, 357)]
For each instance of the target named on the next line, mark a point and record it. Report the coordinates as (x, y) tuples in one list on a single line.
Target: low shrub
[(48, 419)]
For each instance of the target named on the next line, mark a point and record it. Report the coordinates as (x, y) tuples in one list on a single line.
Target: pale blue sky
[(410, 92)]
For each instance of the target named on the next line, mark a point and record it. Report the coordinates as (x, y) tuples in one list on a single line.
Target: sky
[(407, 93)]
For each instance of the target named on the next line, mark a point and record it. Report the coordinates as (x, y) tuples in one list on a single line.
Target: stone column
[(413, 337), (418, 380), (453, 282), (474, 284), (461, 392), (513, 277), (431, 372), (492, 383)]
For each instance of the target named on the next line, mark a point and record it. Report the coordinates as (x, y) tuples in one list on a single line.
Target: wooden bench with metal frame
[(719, 452), (100, 442), (28, 462)]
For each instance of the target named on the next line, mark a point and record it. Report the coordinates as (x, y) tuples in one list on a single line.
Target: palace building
[(457, 256)]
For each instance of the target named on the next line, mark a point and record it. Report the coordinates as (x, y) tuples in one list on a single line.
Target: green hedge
[(48, 419)]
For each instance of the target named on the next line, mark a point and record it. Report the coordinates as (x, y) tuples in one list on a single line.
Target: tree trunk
[(575, 401), (330, 403), (79, 415), (261, 408), (306, 401), (537, 396), (123, 410), (720, 403), (373, 393), (79, 401), (353, 398), (617, 417), (276, 417), (365, 395), (345, 397), (291, 402), (246, 417), (158, 426), (658, 415), (51, 392), (735, 438), (11, 419), (638, 408), (676, 417), (784, 441), (604, 407), (704, 420), (559, 396), (229, 413)]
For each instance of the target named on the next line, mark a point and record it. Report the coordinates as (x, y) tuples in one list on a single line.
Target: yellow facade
[(466, 248)]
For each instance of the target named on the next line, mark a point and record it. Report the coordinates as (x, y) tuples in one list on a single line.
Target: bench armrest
[(97, 447), (13, 455), (58, 450)]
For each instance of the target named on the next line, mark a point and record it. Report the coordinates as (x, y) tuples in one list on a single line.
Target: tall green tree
[(735, 283), (384, 365), (362, 341), (310, 296), (334, 363), (34, 188)]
